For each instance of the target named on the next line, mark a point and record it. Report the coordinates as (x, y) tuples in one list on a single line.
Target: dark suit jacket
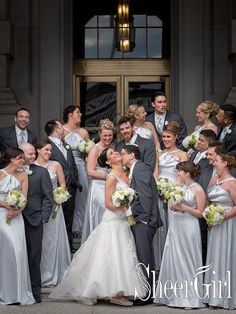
[(40, 198), (8, 138), (206, 172), (147, 150), (230, 140), (68, 166), (171, 116), (145, 206)]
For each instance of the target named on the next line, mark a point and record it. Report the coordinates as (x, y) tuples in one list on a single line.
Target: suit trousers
[(34, 236), (143, 236), (68, 211)]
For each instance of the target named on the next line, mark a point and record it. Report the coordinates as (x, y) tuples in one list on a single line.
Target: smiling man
[(19, 133)]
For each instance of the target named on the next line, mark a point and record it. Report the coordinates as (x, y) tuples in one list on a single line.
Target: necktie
[(22, 138), (222, 134), (62, 149), (159, 124)]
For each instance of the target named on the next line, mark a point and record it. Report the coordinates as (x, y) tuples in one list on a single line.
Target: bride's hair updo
[(171, 127), (208, 106), (102, 159), (105, 124), (189, 166)]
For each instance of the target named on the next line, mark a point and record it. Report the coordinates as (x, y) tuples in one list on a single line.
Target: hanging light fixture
[(124, 27)]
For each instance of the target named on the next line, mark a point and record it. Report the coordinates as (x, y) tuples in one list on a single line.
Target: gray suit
[(170, 116), (146, 148), (38, 208), (8, 138), (146, 212), (229, 140), (72, 183)]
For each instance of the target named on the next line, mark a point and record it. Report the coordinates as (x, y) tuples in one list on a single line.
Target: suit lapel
[(13, 136)]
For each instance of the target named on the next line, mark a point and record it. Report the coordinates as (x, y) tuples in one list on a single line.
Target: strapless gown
[(105, 264)]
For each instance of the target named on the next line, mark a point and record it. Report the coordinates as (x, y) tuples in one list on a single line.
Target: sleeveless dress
[(95, 206), (182, 258), (73, 139), (15, 285), (167, 169), (105, 264), (56, 256), (221, 251), (144, 132)]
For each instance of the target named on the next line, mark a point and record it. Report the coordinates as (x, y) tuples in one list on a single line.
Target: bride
[(104, 266)]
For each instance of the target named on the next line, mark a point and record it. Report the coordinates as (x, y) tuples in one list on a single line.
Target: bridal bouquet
[(60, 195), (123, 197), (85, 146), (190, 141), (176, 195), (15, 198), (213, 215)]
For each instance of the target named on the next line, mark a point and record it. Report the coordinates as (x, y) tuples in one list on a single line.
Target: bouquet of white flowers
[(190, 141), (85, 146), (164, 186), (213, 215), (123, 197), (176, 195), (15, 198), (60, 195)]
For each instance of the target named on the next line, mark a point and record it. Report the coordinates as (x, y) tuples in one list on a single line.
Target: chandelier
[(125, 33)]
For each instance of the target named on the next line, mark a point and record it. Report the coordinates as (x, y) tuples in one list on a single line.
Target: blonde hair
[(172, 127), (133, 112), (105, 124), (208, 106)]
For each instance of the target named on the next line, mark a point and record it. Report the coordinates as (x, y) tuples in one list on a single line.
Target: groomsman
[(226, 116), (161, 116), (200, 158), (37, 212), (146, 146), (145, 207), (62, 153), (18, 133)]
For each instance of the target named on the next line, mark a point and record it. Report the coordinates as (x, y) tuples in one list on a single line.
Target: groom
[(144, 208)]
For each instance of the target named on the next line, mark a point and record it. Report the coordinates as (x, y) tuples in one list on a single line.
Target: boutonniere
[(29, 172), (67, 147), (166, 122), (229, 131)]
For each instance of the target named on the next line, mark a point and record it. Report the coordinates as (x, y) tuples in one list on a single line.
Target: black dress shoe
[(139, 302), (16, 303), (38, 300)]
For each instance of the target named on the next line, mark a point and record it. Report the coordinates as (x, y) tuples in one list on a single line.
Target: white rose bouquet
[(164, 186), (60, 195), (190, 141), (15, 198), (176, 195), (213, 215), (85, 146), (123, 197)]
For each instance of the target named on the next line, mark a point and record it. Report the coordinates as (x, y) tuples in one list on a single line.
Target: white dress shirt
[(59, 144), (21, 135)]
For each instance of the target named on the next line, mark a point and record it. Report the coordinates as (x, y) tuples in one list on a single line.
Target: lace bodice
[(8, 183), (219, 196), (167, 165)]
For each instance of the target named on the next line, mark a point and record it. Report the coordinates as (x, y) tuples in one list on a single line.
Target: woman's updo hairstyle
[(105, 124), (171, 127), (133, 112), (208, 106), (229, 158), (102, 159), (189, 166), (67, 111)]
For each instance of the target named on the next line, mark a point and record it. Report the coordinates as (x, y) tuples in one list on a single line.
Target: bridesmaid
[(74, 134), (95, 206), (56, 256), (221, 250), (167, 161), (182, 254), (205, 111), (15, 285)]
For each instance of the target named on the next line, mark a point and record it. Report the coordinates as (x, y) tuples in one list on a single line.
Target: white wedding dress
[(105, 264), (15, 283)]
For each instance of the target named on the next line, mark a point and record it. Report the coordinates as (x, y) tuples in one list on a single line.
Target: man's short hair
[(229, 111), (132, 149), (209, 135), (50, 126), (20, 109), (124, 119)]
